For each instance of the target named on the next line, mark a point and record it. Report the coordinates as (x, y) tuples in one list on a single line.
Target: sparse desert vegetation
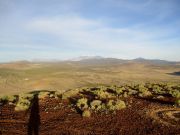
[(157, 103), (101, 97)]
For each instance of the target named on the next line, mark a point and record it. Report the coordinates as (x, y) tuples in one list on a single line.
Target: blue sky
[(63, 29)]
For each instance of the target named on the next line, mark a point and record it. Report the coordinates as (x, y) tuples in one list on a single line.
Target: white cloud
[(96, 34), (90, 32), (83, 31)]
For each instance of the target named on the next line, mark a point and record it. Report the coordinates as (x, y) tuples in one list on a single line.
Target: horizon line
[(73, 59)]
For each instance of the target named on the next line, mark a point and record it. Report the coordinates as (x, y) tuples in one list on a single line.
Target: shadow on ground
[(175, 73), (34, 119)]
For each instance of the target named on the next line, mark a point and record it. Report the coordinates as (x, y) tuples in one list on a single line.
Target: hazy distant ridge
[(100, 60)]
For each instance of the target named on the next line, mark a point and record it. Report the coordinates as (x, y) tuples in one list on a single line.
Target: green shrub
[(102, 94), (103, 107), (145, 94), (149, 85), (82, 103), (4, 98), (43, 94), (24, 102), (86, 113), (132, 92), (120, 90), (9, 98), (96, 104), (12, 98), (26, 96), (58, 94), (175, 93), (111, 104), (116, 105), (70, 93), (168, 88), (125, 94), (120, 105), (22, 105), (102, 88), (157, 89), (142, 88), (177, 102)]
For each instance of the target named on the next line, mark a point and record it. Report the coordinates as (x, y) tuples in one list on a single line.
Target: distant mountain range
[(101, 60), (154, 61)]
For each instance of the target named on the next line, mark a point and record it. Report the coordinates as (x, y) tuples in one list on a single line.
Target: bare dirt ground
[(56, 117)]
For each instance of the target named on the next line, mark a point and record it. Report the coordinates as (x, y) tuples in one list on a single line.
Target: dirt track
[(57, 118)]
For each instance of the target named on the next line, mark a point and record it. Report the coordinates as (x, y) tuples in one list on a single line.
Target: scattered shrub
[(149, 85), (43, 94), (26, 96), (82, 103), (142, 88), (22, 105), (101, 94), (12, 98), (125, 94), (96, 104), (103, 98), (145, 94), (157, 89), (116, 105), (103, 107), (86, 113), (120, 105), (24, 102), (120, 90), (111, 104), (70, 93), (168, 88), (102, 88), (177, 102), (132, 92), (175, 93), (58, 94), (4, 98)]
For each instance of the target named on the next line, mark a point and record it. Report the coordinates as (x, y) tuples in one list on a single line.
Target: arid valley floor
[(122, 105), (26, 76)]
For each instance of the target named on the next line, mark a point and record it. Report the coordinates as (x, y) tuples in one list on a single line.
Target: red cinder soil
[(56, 117)]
